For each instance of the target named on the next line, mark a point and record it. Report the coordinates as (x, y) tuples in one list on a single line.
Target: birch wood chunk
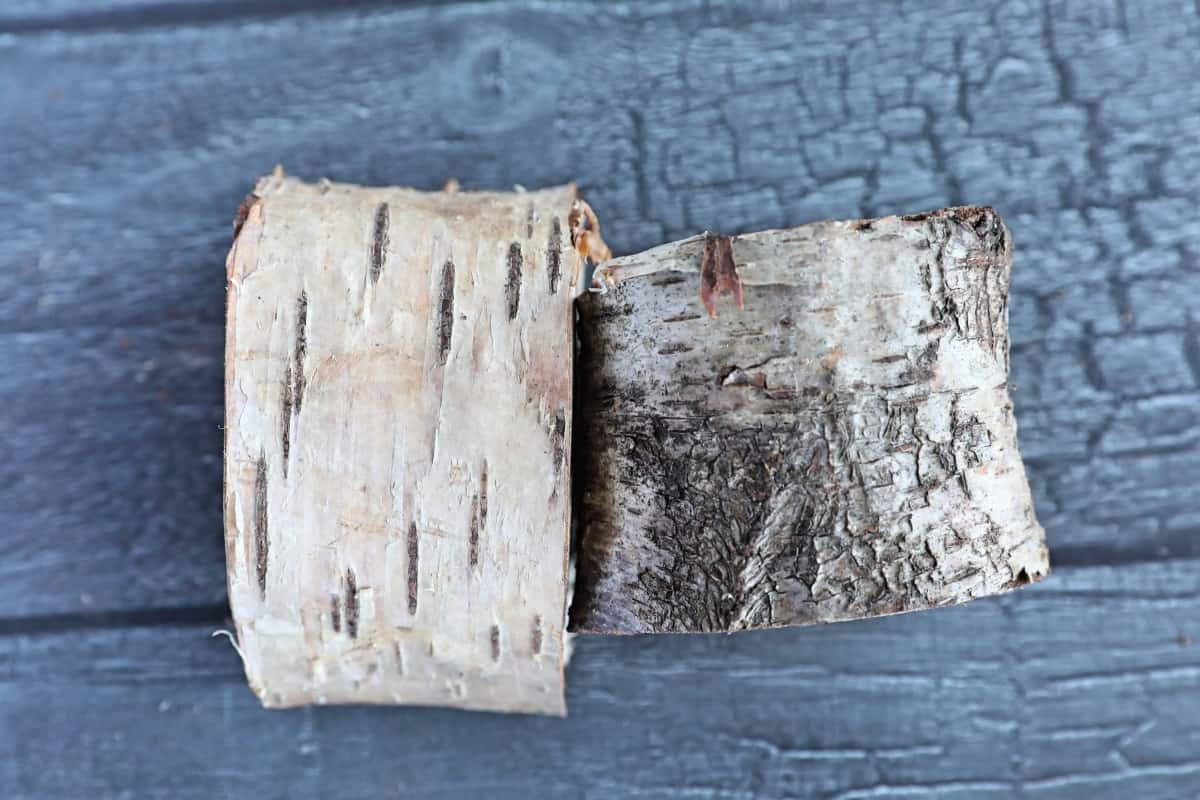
[(398, 389), (843, 447)]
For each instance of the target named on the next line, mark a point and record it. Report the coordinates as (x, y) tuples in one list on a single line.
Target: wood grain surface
[(131, 131)]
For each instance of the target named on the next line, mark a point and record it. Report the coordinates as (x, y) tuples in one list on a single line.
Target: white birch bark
[(398, 390)]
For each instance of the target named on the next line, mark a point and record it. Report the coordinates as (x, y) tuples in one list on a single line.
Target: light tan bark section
[(398, 408)]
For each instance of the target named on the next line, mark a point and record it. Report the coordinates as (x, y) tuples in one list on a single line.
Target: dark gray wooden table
[(129, 132)]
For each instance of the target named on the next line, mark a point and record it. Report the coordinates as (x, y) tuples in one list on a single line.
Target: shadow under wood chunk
[(842, 448)]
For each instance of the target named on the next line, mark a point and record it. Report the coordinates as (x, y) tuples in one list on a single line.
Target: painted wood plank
[(1087, 686), (127, 150)]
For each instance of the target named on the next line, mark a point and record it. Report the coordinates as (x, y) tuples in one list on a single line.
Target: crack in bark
[(445, 313), (413, 567), (379, 242), (554, 255), (512, 282), (351, 604), (300, 350), (261, 534)]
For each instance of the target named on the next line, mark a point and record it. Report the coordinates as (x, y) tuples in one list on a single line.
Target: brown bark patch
[(718, 274)]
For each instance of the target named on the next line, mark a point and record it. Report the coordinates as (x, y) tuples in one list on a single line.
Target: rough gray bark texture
[(843, 447)]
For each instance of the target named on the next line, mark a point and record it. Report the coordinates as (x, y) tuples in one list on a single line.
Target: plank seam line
[(192, 14), (215, 615)]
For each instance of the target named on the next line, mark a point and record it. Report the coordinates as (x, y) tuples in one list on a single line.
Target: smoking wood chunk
[(843, 447), (398, 389)]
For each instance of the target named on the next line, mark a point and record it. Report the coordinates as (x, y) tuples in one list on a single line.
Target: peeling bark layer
[(843, 447), (398, 387)]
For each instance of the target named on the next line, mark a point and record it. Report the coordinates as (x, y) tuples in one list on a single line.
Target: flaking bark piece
[(585, 233), (844, 447)]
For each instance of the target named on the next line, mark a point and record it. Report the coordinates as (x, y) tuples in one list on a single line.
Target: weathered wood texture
[(398, 397), (842, 447), (128, 138), (1064, 690), (1069, 119)]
